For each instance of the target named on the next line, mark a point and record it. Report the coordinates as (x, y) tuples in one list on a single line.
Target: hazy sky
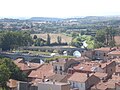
[(58, 8)]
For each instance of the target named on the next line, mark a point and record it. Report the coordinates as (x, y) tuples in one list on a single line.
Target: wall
[(51, 86), (91, 81), (74, 84)]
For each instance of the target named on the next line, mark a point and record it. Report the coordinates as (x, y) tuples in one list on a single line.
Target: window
[(60, 73), (60, 68), (81, 84), (55, 68)]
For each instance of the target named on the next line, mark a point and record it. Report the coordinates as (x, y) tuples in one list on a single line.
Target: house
[(59, 78), (94, 66), (117, 70), (114, 54), (53, 86), (83, 81), (61, 66), (26, 67), (108, 85), (46, 70), (102, 76), (101, 53), (117, 86)]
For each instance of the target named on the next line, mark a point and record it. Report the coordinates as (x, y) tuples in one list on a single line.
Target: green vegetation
[(13, 40), (105, 37), (78, 41), (9, 70), (48, 39)]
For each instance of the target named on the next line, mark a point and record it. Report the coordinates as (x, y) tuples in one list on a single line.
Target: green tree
[(39, 42), (48, 39), (35, 37), (110, 34), (59, 39), (11, 40), (14, 70), (77, 42), (4, 75)]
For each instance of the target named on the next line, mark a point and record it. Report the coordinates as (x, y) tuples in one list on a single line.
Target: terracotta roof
[(100, 75), (44, 70), (18, 60), (59, 78), (12, 83), (83, 67), (26, 65), (78, 77), (114, 53), (103, 65), (104, 49), (118, 83), (89, 66), (109, 84)]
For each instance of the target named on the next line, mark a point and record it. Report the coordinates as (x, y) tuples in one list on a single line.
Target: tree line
[(12, 40), (105, 37)]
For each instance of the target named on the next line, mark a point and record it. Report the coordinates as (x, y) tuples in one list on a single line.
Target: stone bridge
[(59, 49), (27, 57)]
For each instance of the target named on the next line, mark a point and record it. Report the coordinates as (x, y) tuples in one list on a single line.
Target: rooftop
[(104, 49), (109, 84), (114, 52), (26, 65), (78, 77), (45, 70), (100, 75), (54, 83)]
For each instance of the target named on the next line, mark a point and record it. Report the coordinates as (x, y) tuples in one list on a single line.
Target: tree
[(48, 39), (59, 39), (110, 34), (39, 42), (11, 40), (35, 37), (100, 39), (4, 75), (77, 42), (15, 72)]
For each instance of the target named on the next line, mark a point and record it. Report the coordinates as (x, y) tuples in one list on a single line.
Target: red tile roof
[(114, 53), (109, 84), (100, 75), (44, 70), (103, 49), (26, 65), (78, 77)]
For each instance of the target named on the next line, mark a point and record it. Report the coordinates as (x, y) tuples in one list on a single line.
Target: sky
[(58, 8)]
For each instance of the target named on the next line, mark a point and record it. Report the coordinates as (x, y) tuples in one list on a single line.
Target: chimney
[(54, 81), (88, 75)]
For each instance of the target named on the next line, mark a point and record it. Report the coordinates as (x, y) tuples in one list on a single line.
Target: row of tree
[(11, 40), (105, 37)]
